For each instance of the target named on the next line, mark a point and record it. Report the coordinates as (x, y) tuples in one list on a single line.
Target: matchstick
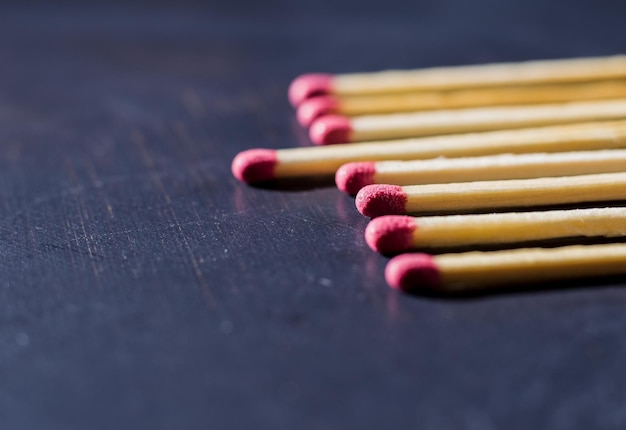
[(331, 129), (351, 177), (377, 200), (313, 108), (479, 270), (258, 165), (446, 78), (392, 234)]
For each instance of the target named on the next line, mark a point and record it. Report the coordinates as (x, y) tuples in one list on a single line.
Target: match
[(351, 177), (392, 234), (332, 129), (447, 78), (350, 106), (377, 200), (259, 165), (480, 270)]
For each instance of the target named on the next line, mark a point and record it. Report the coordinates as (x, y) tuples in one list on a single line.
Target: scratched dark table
[(143, 287)]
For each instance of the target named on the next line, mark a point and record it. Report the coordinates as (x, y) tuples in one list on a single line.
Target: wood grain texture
[(142, 287)]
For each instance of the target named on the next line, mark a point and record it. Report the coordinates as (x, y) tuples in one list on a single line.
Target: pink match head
[(254, 165), (410, 272), (390, 234), (377, 200), (313, 108), (330, 129), (351, 177), (309, 85)]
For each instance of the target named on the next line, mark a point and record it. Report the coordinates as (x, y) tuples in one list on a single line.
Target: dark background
[(142, 287)]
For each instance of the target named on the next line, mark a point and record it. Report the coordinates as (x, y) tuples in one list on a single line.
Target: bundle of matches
[(515, 138), (394, 104)]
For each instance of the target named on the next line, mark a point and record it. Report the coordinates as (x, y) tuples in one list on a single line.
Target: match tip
[(409, 272), (309, 85), (351, 177), (254, 165), (390, 234), (377, 200), (314, 108), (330, 129)]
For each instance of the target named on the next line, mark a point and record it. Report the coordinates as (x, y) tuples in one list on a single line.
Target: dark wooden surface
[(142, 287)]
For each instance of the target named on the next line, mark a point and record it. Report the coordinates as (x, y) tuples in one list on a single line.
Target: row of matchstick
[(474, 151)]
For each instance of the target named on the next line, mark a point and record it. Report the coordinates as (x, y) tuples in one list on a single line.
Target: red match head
[(254, 165), (377, 200), (351, 177), (330, 129), (309, 85), (411, 272), (315, 107), (391, 234)]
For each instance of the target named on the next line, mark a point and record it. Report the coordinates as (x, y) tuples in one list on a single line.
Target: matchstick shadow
[(503, 209), (296, 185), (549, 243), (596, 283)]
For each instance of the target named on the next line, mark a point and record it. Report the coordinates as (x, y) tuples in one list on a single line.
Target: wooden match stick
[(351, 177), (398, 233), (333, 129), (313, 108), (445, 78), (377, 200), (478, 270), (258, 165)]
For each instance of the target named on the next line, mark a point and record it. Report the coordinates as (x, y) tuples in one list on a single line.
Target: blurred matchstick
[(446, 78), (313, 108), (333, 129)]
